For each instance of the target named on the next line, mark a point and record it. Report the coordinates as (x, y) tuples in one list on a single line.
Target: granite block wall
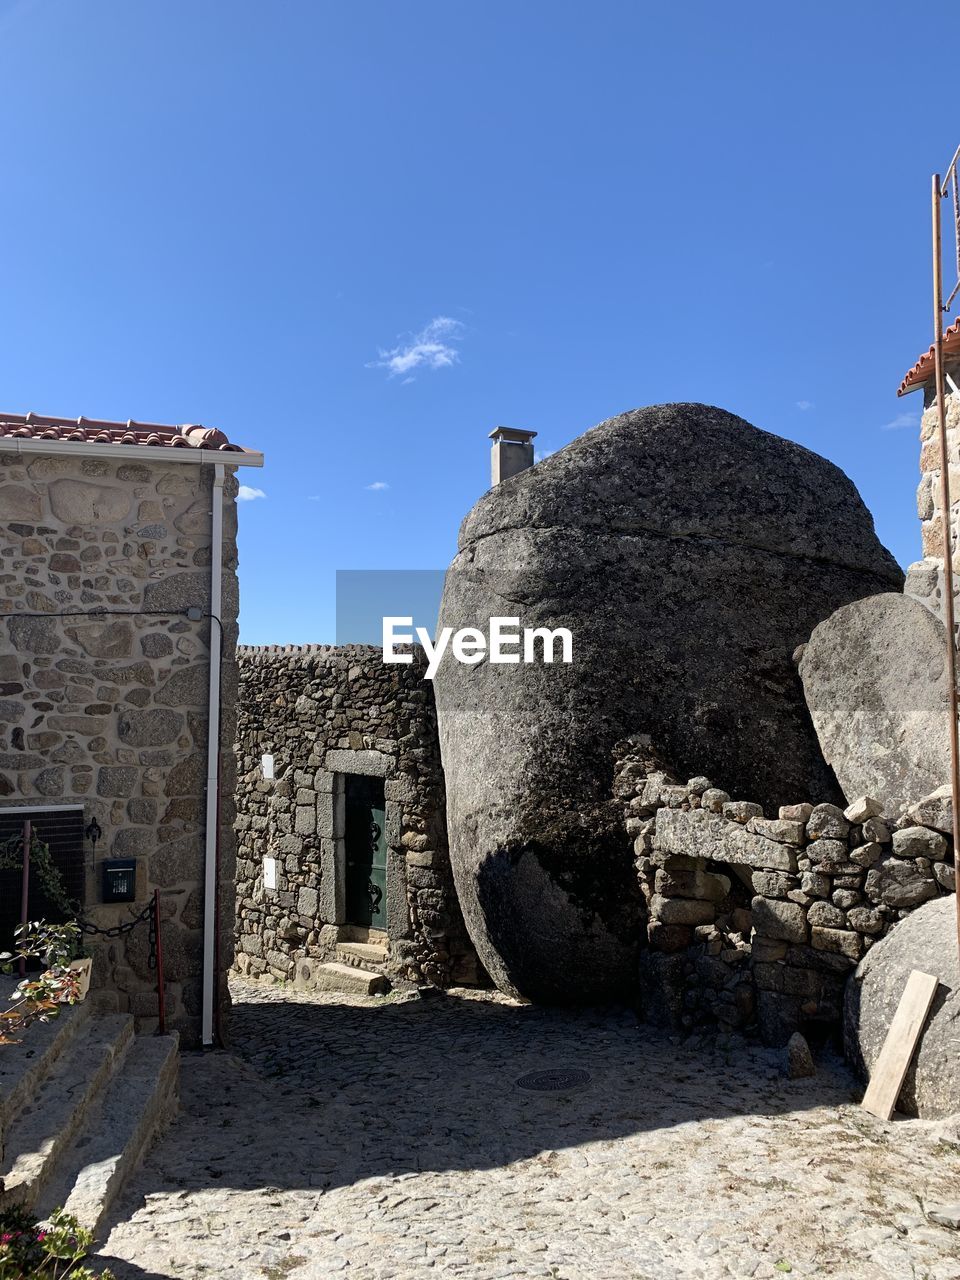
[(321, 713), (103, 692)]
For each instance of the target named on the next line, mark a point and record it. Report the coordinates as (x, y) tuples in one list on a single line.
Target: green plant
[(39, 998), (30, 1251), (41, 868)]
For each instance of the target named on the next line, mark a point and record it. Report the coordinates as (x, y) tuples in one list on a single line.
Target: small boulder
[(900, 883), (919, 842), (862, 808), (925, 940), (827, 822), (800, 1062), (934, 810)]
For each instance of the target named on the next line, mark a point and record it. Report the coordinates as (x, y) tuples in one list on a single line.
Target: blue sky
[(359, 235)]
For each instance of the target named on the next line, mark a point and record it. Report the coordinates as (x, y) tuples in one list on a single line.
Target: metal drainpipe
[(213, 760)]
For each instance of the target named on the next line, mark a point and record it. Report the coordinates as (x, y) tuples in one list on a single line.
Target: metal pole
[(25, 886), (946, 515)]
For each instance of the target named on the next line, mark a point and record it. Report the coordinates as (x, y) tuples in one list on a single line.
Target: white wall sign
[(270, 873), (266, 764)]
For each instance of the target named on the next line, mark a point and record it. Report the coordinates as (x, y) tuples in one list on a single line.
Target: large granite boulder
[(875, 682), (925, 940), (689, 554)]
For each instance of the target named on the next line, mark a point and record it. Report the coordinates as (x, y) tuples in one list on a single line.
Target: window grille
[(61, 829)]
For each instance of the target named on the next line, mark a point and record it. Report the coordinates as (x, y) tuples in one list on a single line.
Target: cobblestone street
[(387, 1137)]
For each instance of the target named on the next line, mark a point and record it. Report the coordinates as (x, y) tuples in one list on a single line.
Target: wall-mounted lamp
[(92, 832)]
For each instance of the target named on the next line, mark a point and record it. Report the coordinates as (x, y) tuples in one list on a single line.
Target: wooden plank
[(886, 1079)]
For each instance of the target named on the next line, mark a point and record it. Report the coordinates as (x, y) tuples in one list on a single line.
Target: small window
[(61, 830)]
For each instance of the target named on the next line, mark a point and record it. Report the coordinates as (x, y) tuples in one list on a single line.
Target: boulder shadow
[(318, 1096)]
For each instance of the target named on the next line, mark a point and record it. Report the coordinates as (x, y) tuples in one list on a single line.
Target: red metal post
[(161, 1005), (25, 885)]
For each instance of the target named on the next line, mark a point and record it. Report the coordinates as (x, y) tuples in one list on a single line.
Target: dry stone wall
[(103, 692), (758, 922), (322, 713)]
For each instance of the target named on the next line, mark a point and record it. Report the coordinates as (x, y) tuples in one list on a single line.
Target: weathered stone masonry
[(107, 705), (323, 713), (925, 577), (758, 922)]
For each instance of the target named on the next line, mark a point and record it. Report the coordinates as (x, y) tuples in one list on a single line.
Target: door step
[(349, 979), (45, 1127), (361, 953)]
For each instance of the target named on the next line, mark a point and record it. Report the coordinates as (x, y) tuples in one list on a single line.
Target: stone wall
[(757, 922), (103, 681), (925, 577), (323, 713)]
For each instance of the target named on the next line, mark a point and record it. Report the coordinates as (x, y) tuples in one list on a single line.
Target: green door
[(366, 850)]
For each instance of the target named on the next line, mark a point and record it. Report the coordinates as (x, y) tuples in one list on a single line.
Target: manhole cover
[(553, 1081)]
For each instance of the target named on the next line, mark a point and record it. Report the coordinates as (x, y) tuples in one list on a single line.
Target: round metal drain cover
[(556, 1081)]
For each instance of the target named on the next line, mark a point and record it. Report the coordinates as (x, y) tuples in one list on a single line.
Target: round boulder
[(925, 940), (875, 681), (688, 554)]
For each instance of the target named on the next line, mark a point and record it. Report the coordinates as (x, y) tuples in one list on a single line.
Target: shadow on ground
[(323, 1095)]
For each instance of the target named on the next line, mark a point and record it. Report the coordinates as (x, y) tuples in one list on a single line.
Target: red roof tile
[(923, 371), (36, 426)]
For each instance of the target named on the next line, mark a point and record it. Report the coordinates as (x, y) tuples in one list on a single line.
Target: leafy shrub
[(29, 1251)]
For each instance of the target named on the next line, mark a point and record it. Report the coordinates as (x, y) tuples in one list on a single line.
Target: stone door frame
[(331, 830)]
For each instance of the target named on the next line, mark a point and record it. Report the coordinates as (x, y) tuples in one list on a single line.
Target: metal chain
[(118, 930)]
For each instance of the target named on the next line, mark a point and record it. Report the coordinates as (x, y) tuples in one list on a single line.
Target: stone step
[(44, 1128), (361, 933), (368, 952), (41, 1132), (332, 976), (25, 1066), (139, 1100)]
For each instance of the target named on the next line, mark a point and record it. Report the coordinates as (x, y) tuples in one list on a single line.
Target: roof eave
[(142, 452)]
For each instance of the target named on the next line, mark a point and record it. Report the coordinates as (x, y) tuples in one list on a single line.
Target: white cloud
[(247, 494), (803, 405), (377, 485), (432, 348), (911, 418), (541, 454)]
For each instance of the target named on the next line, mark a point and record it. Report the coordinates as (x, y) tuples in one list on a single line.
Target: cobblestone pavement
[(375, 1138)]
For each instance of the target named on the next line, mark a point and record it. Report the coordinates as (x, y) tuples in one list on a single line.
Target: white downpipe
[(213, 759)]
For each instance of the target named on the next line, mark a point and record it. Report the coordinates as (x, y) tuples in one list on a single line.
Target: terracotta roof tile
[(36, 426), (923, 371)]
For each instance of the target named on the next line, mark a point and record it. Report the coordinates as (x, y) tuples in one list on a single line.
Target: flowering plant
[(29, 1251), (38, 998)]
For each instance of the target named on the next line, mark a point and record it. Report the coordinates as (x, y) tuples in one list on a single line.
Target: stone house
[(343, 871), (118, 562), (925, 576)]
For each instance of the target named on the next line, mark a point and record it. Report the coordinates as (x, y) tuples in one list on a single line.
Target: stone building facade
[(342, 856), (925, 576), (105, 631)]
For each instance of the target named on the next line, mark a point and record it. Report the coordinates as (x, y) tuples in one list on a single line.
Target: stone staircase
[(81, 1098), (355, 969)]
